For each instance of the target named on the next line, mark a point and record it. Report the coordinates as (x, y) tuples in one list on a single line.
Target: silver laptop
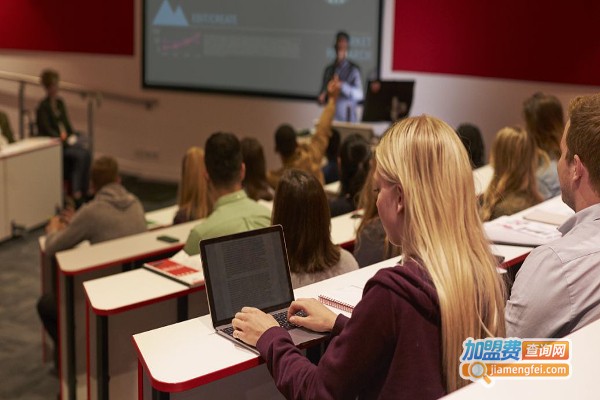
[(250, 269)]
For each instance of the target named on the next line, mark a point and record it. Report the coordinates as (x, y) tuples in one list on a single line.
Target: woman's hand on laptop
[(318, 317), (251, 323)]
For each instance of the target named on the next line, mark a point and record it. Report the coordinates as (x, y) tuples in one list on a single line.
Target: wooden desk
[(133, 301), (582, 384), (168, 357), (80, 264), (30, 183)]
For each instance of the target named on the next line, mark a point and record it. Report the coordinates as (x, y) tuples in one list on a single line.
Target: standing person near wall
[(348, 75), (53, 120), (406, 335)]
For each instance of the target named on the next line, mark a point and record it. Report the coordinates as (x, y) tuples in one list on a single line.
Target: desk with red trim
[(80, 264), (189, 360)]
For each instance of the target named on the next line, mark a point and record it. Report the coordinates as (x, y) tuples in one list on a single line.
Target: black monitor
[(387, 100)]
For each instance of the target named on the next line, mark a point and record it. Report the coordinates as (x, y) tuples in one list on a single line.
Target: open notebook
[(345, 298)]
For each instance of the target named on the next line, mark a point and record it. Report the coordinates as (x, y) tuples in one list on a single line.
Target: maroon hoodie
[(389, 349)]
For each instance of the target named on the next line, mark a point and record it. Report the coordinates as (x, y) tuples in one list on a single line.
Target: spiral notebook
[(344, 299)]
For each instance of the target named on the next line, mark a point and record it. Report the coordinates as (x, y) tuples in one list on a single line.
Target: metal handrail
[(93, 97)]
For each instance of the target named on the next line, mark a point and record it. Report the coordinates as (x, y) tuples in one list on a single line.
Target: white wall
[(182, 119)]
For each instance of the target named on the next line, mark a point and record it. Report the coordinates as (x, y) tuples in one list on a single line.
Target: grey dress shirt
[(557, 290)]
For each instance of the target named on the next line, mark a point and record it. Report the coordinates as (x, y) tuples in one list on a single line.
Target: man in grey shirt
[(557, 290)]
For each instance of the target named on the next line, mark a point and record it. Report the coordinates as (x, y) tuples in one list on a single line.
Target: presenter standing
[(348, 74)]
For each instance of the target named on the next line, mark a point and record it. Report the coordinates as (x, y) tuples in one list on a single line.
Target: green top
[(233, 213)]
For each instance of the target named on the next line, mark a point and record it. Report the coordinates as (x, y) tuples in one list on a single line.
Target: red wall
[(82, 26), (517, 39)]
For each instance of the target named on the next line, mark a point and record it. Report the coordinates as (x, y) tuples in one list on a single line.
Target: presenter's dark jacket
[(389, 349), (49, 121)]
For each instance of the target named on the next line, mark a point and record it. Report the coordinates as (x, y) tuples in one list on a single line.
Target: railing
[(93, 97)]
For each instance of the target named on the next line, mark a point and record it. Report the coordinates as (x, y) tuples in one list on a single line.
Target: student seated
[(355, 159), (405, 336), (300, 206), (111, 214), (544, 122), (331, 171), (513, 186), (305, 156), (372, 244), (233, 211), (255, 181), (192, 198), (53, 120), (556, 289), (470, 136)]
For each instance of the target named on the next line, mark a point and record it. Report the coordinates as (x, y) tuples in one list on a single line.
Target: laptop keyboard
[(280, 317)]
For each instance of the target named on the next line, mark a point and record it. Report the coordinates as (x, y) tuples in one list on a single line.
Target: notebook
[(182, 268), (345, 298), (249, 269)]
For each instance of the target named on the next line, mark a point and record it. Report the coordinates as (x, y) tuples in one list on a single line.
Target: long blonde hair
[(514, 159), (367, 202), (193, 195), (443, 232)]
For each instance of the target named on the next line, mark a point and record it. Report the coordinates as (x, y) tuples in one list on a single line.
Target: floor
[(22, 372)]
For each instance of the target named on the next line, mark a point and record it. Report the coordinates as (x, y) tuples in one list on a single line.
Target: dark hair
[(342, 35), (333, 148), (355, 157), (302, 209), (49, 77), (105, 170), (545, 122), (285, 140), (255, 180), (223, 159), (471, 137)]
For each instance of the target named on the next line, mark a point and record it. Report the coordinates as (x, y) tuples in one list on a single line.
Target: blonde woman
[(372, 244), (405, 336), (192, 198), (514, 186)]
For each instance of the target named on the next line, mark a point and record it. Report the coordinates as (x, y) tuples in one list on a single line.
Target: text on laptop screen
[(249, 271)]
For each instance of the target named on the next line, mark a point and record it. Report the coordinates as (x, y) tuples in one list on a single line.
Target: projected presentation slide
[(266, 47)]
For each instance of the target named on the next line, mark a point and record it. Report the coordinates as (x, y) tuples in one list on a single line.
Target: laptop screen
[(246, 269)]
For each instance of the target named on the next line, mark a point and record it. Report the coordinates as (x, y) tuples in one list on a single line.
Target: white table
[(122, 305), (169, 356), (161, 218), (585, 349), (84, 263), (30, 183), (497, 232)]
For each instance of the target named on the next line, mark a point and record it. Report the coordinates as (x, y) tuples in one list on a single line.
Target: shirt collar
[(590, 213), (231, 198)]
